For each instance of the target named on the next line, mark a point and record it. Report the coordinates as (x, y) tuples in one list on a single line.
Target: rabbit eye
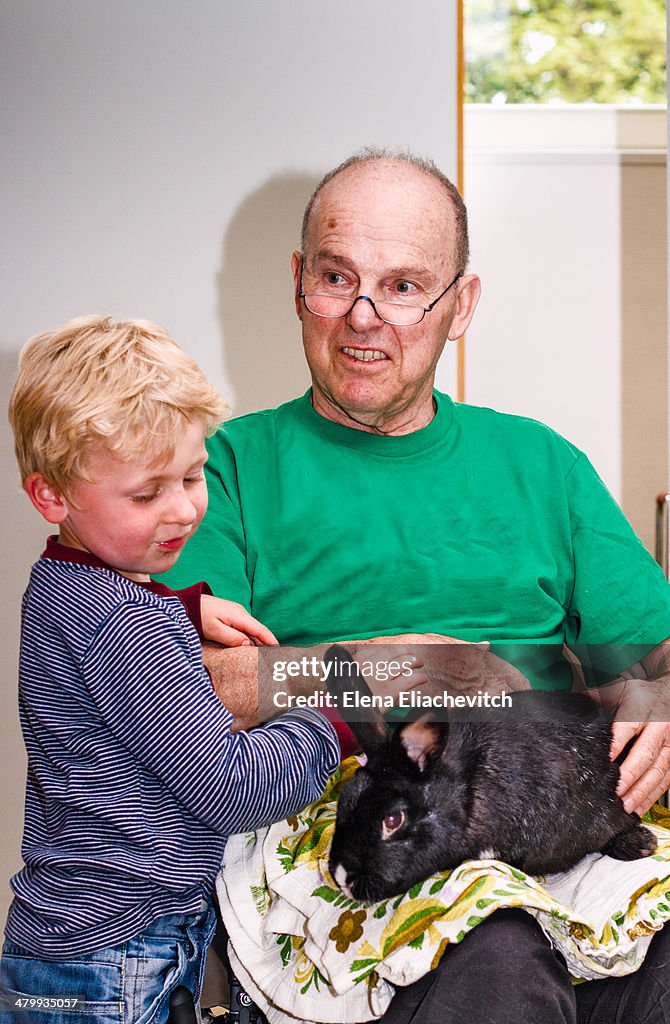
[(392, 822)]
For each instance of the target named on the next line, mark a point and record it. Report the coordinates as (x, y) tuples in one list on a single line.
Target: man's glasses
[(398, 314)]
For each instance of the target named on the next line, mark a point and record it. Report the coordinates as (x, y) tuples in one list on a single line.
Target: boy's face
[(137, 515)]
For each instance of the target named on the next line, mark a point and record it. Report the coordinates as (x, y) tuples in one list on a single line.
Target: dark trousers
[(506, 972)]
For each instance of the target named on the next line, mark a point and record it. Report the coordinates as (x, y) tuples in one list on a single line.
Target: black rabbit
[(536, 791)]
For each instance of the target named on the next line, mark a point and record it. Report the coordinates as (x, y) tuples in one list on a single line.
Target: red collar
[(58, 552)]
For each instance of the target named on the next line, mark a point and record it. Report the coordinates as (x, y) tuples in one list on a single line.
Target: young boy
[(134, 776)]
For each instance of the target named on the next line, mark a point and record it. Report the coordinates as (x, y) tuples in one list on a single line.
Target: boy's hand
[(228, 623)]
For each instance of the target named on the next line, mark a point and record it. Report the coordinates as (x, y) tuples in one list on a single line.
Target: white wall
[(157, 158), (567, 210)]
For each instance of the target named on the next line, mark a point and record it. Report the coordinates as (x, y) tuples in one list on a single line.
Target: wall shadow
[(23, 538), (262, 352)]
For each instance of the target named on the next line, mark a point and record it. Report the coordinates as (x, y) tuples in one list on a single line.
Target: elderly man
[(375, 506)]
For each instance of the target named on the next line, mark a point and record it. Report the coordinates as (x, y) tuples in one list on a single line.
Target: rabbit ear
[(423, 739), (344, 677)]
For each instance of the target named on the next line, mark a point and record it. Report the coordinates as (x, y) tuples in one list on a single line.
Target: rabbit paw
[(637, 842)]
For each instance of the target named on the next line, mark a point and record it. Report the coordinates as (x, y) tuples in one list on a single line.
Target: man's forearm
[(244, 683), (234, 674), (247, 692)]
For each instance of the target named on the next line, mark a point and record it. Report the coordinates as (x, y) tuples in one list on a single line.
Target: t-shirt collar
[(58, 552)]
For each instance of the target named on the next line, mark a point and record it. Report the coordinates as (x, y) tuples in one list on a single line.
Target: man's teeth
[(366, 354)]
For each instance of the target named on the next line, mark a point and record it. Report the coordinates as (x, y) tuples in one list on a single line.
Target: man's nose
[(363, 315)]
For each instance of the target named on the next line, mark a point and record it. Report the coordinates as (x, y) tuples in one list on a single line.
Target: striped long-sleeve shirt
[(134, 777)]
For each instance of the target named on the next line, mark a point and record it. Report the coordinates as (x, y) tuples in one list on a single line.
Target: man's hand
[(230, 624), (452, 665), (411, 639), (641, 702), (389, 670), (645, 773)]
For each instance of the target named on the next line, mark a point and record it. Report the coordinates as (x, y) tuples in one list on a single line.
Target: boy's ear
[(46, 498)]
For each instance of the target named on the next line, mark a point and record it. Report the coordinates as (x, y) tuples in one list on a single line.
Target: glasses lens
[(395, 313), (328, 305), (398, 314)]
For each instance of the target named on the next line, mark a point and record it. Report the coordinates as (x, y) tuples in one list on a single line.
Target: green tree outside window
[(575, 51)]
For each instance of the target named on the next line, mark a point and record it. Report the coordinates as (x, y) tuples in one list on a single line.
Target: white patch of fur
[(340, 876)]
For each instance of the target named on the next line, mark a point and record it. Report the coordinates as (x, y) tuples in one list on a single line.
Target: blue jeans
[(125, 984)]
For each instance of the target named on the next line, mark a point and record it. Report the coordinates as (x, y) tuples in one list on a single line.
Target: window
[(576, 51)]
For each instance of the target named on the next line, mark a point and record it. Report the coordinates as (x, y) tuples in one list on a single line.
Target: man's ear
[(469, 290), (296, 263), (46, 498)]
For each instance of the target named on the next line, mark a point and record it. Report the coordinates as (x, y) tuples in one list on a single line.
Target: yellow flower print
[(578, 930)]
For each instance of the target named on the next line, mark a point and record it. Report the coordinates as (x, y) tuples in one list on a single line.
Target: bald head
[(456, 226)]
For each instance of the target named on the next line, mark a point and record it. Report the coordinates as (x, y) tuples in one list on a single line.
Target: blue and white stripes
[(134, 778)]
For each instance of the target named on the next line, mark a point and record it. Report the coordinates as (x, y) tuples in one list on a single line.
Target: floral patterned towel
[(305, 952)]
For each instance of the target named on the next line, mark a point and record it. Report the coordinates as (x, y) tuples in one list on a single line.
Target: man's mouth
[(365, 355)]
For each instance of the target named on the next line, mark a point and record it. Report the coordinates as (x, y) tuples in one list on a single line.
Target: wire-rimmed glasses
[(398, 314)]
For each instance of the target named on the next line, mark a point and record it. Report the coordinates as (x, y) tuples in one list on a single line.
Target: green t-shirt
[(482, 525)]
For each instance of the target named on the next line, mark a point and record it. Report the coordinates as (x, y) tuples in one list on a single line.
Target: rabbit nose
[(344, 880)]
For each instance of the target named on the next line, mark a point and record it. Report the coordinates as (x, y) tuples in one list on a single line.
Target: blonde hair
[(99, 382)]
